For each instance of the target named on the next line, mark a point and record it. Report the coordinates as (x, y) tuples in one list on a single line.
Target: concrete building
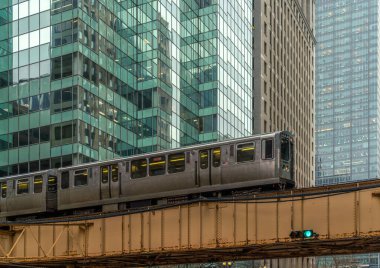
[(284, 86), (283, 76)]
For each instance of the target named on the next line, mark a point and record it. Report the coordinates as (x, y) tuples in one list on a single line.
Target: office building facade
[(283, 74), (90, 80), (347, 102), (347, 91)]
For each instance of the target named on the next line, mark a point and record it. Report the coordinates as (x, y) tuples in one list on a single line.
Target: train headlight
[(285, 167)]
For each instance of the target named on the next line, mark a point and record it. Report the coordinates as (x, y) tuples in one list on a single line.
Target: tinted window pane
[(57, 133), (67, 69), (15, 139), (34, 104), (157, 166), (44, 134), (23, 138), (23, 167), (56, 68), (45, 164), (67, 160), (4, 142), (67, 132), (216, 154), (34, 166), (44, 101), (34, 135), (203, 159), (23, 186), (23, 107), (3, 79), (80, 177), (15, 107), (285, 150), (104, 173), (38, 184), (115, 172), (52, 184), (245, 152), (4, 189), (138, 168), (67, 99), (176, 163), (267, 149), (56, 101)]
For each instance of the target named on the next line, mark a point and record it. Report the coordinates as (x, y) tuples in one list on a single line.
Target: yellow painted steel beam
[(346, 217)]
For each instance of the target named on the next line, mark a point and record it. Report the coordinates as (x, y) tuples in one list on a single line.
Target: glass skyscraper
[(347, 100), (347, 86), (85, 80)]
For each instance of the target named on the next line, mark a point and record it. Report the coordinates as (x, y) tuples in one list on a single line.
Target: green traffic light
[(307, 233)]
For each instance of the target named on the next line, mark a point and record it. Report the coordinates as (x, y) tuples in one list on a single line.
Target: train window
[(114, 172), (267, 149), (245, 152), (157, 165), (80, 177), (37, 184), (176, 163), (216, 157), (65, 180), (138, 169), (104, 174), (52, 184), (23, 186), (4, 189), (203, 159), (285, 150)]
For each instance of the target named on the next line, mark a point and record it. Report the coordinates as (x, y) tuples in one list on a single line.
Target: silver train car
[(220, 167)]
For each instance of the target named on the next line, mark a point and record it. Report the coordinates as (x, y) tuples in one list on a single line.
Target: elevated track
[(346, 218)]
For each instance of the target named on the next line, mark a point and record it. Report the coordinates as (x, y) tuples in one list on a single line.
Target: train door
[(109, 181), (51, 193), (209, 167)]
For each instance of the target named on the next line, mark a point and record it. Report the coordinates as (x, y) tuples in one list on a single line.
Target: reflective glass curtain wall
[(84, 80), (347, 106)]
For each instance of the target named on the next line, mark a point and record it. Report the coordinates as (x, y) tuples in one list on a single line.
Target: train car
[(147, 179), (209, 168), (27, 194)]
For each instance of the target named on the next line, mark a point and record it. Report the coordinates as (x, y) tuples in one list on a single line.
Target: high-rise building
[(347, 104), (347, 91), (347, 100), (284, 84), (87, 80), (283, 91)]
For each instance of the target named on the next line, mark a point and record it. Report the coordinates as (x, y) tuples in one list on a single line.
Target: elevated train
[(146, 179)]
